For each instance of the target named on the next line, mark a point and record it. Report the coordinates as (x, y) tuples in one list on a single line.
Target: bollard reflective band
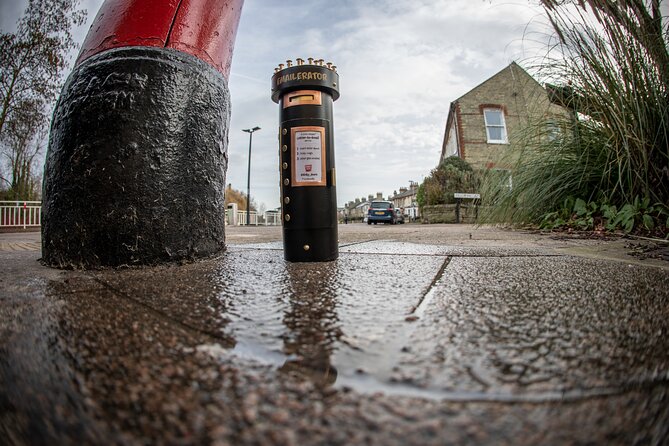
[(305, 93)]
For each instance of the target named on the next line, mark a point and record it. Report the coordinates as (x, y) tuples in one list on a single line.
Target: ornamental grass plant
[(608, 66)]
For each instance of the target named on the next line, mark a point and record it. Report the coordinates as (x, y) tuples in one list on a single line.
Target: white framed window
[(552, 130), (504, 176), (495, 126)]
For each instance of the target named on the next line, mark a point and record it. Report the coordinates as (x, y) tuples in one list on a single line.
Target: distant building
[(406, 200), (357, 210), (485, 121), (272, 217)]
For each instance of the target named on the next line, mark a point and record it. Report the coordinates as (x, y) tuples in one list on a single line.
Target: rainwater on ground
[(393, 343)]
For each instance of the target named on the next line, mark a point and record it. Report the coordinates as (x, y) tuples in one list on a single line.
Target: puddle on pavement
[(390, 323), (115, 345), (326, 319), (318, 320), (349, 324)]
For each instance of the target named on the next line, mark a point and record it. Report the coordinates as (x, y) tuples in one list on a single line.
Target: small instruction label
[(308, 156), (461, 195)]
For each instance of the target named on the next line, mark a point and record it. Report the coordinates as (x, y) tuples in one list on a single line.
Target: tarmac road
[(416, 335)]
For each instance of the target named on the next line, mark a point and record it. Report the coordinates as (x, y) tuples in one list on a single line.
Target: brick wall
[(446, 213)]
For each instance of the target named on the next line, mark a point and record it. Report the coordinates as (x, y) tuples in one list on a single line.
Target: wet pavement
[(416, 335)]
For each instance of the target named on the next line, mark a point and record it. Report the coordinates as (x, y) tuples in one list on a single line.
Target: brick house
[(357, 210), (406, 200), (484, 123)]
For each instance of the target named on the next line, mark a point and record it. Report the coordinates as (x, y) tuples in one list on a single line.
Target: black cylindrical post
[(305, 93)]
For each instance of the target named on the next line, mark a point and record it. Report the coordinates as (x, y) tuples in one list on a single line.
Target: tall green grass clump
[(609, 66)]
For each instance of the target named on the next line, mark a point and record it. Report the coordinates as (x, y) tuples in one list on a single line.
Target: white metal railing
[(17, 214), (253, 217), (272, 218), (24, 214), (240, 219)]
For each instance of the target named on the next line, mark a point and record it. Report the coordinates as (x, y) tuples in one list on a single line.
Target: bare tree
[(22, 142), (239, 197), (32, 61)]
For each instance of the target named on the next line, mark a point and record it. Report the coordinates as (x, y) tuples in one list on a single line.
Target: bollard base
[(135, 171), (312, 245)]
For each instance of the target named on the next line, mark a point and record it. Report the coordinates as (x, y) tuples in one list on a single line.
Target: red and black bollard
[(135, 171), (305, 93)]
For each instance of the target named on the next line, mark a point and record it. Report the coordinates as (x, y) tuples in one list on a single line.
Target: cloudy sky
[(400, 62)]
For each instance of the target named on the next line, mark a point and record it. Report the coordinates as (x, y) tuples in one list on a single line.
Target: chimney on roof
[(370, 197), (402, 190), (379, 195)]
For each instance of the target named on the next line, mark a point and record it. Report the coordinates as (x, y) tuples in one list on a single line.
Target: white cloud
[(401, 63)]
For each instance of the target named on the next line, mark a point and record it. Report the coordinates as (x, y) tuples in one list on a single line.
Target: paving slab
[(501, 338)]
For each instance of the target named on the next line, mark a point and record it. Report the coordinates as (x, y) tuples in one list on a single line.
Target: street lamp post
[(248, 183)]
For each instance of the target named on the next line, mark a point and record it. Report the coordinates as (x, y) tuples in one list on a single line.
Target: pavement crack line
[(346, 245), (123, 295), (425, 299)]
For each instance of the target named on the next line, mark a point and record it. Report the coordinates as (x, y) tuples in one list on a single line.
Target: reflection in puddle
[(311, 321), (284, 317), (319, 321), (247, 350)]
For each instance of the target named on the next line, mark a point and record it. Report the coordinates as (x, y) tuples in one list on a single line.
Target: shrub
[(452, 175)]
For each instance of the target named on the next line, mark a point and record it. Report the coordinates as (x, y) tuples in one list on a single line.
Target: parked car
[(399, 217), (381, 211)]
